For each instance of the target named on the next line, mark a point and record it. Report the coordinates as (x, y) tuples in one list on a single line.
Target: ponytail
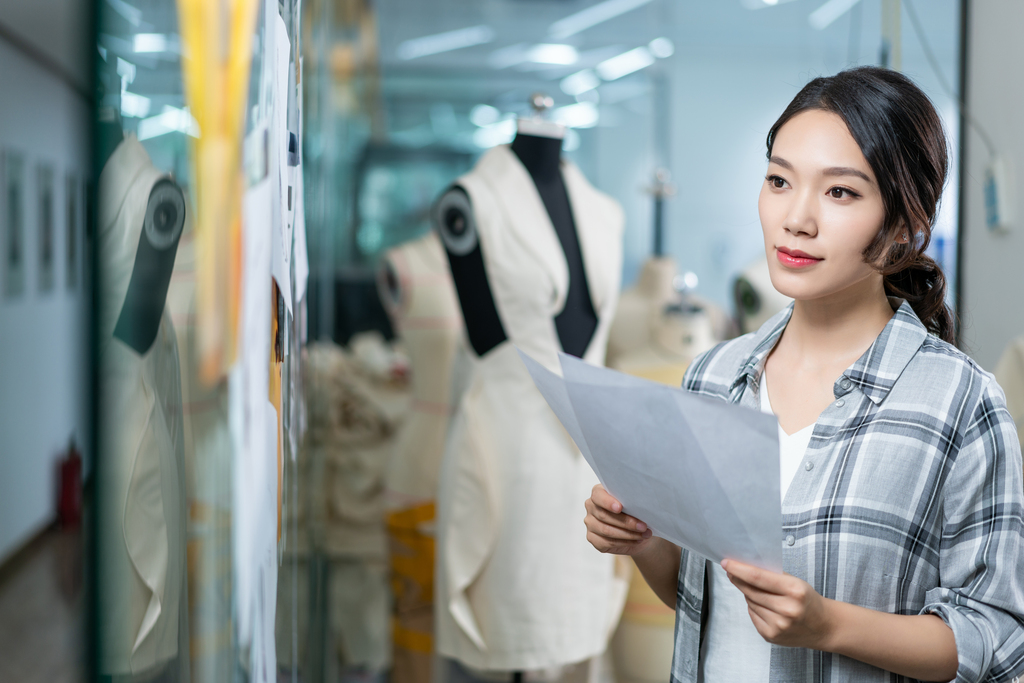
[(923, 285)]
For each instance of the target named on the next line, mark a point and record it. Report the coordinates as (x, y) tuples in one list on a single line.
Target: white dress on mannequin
[(518, 586), (142, 469)]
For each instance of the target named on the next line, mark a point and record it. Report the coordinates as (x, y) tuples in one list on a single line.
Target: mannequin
[(757, 300), (1010, 375), (658, 330), (515, 590), (539, 149), (143, 589), (419, 296)]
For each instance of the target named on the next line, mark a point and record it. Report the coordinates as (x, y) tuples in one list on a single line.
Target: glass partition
[(282, 356)]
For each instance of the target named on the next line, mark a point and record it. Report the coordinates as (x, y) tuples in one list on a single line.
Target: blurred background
[(231, 343)]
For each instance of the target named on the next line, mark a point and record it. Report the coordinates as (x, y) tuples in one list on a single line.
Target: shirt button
[(845, 384), (808, 465), (840, 403), (790, 540)]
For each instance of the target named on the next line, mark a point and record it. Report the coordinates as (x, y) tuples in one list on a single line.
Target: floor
[(41, 613)]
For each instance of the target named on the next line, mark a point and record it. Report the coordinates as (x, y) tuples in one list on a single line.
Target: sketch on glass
[(71, 236), (46, 229), (14, 224)]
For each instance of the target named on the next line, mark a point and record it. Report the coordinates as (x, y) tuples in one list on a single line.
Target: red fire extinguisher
[(69, 500)]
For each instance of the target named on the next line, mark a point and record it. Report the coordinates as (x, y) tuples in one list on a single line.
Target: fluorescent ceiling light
[(581, 115), (592, 16), (551, 53), (445, 42), (661, 48), (155, 43), (499, 133), (171, 120), (625, 64), (833, 9), (484, 115), (580, 82), (133, 105), (761, 4)]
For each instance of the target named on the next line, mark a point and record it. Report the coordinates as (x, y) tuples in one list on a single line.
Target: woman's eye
[(840, 193), (776, 182)]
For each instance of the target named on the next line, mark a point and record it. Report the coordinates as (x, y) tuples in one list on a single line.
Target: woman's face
[(820, 208)]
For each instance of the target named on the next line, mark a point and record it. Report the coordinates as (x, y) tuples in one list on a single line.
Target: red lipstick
[(794, 258)]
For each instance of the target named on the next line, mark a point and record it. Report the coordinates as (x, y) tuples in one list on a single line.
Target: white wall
[(43, 336), (993, 284)]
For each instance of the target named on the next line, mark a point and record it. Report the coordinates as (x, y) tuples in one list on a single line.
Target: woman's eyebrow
[(845, 170), (834, 171)]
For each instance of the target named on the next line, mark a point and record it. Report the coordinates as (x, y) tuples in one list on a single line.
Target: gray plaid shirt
[(910, 501)]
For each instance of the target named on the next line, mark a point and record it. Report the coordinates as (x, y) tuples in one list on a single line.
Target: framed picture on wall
[(72, 221), (47, 236), (14, 256)]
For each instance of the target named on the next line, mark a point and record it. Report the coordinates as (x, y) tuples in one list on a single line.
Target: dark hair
[(900, 134)]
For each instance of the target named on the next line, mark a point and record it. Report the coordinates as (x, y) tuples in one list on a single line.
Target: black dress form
[(577, 321), (541, 157)]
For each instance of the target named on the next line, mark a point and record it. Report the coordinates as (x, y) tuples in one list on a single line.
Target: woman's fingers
[(599, 527), (606, 508), (606, 545)]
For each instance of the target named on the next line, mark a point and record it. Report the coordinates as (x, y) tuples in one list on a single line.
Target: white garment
[(518, 587), (143, 596), (733, 650)]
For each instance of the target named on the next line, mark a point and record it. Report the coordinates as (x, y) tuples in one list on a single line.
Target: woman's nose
[(802, 218)]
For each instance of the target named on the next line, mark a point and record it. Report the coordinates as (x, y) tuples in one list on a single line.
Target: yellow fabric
[(216, 61)]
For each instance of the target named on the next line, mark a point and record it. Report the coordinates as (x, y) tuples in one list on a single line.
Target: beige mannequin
[(657, 331), (1010, 375), (756, 298), (417, 291)]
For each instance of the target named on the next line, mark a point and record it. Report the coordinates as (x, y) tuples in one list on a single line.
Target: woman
[(903, 510)]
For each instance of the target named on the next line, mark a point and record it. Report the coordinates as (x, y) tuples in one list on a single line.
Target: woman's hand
[(611, 531), (785, 610)]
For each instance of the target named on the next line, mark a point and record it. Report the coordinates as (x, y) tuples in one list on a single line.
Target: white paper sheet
[(280, 172), (301, 250), (255, 459), (701, 473)]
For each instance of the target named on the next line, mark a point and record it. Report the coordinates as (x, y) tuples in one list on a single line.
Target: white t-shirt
[(733, 650)]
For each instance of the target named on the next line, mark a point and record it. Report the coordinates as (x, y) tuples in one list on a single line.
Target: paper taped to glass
[(699, 472)]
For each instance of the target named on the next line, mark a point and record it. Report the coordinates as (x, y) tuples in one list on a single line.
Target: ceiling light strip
[(592, 16), (445, 42), (823, 17)]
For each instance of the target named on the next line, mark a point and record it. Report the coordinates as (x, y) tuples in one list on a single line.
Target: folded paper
[(699, 472)]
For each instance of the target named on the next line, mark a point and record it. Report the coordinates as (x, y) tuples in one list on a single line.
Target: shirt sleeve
[(981, 596)]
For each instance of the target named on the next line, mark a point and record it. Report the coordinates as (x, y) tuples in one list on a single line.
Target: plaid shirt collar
[(874, 373)]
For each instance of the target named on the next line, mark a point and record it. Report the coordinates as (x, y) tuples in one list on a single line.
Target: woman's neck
[(842, 325), (541, 156)]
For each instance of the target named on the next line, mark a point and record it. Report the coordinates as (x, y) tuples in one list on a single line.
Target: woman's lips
[(794, 258)]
